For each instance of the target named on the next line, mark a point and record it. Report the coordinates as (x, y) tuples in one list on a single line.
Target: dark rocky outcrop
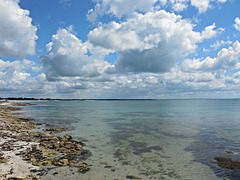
[(227, 163)]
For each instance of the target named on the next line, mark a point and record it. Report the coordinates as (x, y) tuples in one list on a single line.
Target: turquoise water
[(159, 139)]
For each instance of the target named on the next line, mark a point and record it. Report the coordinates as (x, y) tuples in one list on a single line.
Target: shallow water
[(159, 139)]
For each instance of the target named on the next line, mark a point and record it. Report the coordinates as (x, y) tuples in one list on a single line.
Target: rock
[(229, 152), (108, 167), (47, 147), (83, 166), (78, 147), (133, 177), (46, 163), (72, 163), (35, 163), (3, 160), (227, 163), (67, 137), (105, 163), (56, 129), (61, 162), (64, 162)]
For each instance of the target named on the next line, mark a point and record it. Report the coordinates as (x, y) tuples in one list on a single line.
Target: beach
[(25, 154)]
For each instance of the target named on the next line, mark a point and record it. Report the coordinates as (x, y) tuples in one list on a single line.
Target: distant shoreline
[(104, 99)]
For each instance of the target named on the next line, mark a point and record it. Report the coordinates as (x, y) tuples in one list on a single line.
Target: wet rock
[(67, 138), (3, 159), (56, 129), (25, 119), (105, 163), (61, 162), (64, 162), (14, 178), (83, 167), (227, 163), (72, 163), (109, 167), (229, 152), (22, 104), (133, 177)]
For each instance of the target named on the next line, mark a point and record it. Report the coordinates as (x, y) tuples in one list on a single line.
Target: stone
[(56, 129), (227, 163), (3, 160), (133, 177), (72, 163), (67, 137), (83, 166), (105, 163), (61, 162), (229, 152)]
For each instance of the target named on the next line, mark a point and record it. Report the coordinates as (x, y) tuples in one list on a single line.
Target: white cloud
[(119, 8), (16, 80), (179, 7), (237, 24), (15, 77), (220, 43), (225, 60), (17, 34), (209, 31), (152, 42), (202, 5), (67, 56)]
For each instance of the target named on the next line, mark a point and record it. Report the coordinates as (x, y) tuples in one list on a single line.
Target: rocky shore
[(25, 154)]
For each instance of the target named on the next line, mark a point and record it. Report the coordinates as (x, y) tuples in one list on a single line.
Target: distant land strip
[(52, 99)]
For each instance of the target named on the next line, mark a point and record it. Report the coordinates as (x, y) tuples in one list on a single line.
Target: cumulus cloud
[(127, 8), (152, 42), (225, 60), (201, 5), (193, 83), (19, 78), (17, 34), (67, 56), (220, 43), (237, 24), (16, 78), (204, 5), (179, 7), (119, 8)]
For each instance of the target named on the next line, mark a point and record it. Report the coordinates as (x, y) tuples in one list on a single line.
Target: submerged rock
[(227, 163), (56, 129), (133, 177)]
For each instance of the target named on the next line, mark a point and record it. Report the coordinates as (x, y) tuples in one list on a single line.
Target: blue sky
[(120, 48)]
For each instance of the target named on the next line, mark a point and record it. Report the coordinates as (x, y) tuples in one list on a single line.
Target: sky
[(91, 49)]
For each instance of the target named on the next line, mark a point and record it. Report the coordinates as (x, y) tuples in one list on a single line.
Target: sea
[(147, 139)]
